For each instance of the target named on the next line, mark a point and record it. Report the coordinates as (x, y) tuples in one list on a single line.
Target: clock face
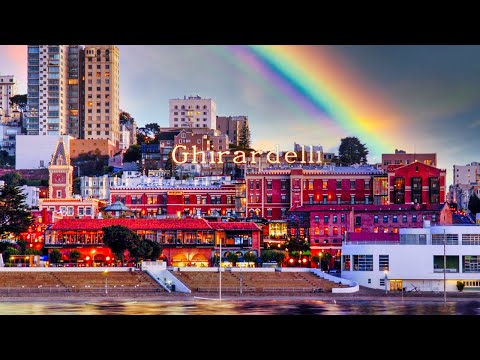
[(59, 178)]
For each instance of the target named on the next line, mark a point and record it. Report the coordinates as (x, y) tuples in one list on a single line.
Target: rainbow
[(321, 83)]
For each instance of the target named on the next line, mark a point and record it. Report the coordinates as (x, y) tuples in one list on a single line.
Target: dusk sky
[(416, 98)]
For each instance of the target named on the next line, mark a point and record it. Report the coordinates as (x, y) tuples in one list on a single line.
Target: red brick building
[(185, 242), (416, 183), (271, 193), (177, 201)]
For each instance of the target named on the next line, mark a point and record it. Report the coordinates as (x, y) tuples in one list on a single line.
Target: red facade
[(178, 201), (185, 242), (271, 193)]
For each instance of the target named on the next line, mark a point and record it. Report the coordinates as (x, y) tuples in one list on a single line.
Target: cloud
[(474, 124)]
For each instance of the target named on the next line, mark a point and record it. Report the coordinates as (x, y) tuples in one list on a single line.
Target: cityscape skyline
[(391, 97)]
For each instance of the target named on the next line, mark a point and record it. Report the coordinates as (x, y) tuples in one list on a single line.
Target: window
[(414, 218), (269, 198), (324, 184), (339, 184), (352, 199), (316, 218), (70, 211), (346, 262), (399, 190), (325, 219), (434, 190), (417, 190), (342, 218), (335, 230), (325, 230), (383, 262), (385, 218), (471, 263), (362, 262), (283, 198), (269, 184), (367, 184), (375, 219), (325, 198), (88, 211), (358, 221), (251, 184), (452, 264), (335, 217), (269, 212), (395, 218), (352, 184), (451, 239), (81, 211), (310, 184), (284, 184), (404, 218), (434, 218), (257, 184), (310, 199)]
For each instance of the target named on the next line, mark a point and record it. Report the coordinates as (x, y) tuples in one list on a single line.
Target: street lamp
[(106, 281), (93, 257), (386, 278)]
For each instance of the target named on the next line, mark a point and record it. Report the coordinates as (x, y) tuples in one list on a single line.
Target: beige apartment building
[(102, 93)]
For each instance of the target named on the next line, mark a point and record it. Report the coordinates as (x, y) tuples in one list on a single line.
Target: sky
[(418, 98)]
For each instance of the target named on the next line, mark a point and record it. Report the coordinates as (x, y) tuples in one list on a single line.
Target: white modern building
[(416, 261), (32, 194), (98, 187), (35, 151), (8, 133), (193, 112), (465, 174), (8, 88)]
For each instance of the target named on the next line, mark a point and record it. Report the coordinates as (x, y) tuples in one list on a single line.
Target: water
[(241, 307)]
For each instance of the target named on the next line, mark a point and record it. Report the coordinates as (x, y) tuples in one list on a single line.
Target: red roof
[(151, 224), (134, 224), (234, 225)]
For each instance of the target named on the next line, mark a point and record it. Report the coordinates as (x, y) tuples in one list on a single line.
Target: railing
[(446, 270), (24, 291), (371, 242)]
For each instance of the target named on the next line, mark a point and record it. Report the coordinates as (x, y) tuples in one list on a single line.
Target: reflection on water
[(243, 307)]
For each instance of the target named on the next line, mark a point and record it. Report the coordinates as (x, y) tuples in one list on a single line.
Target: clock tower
[(60, 173)]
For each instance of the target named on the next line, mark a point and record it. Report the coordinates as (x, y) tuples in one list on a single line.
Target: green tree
[(156, 249), (133, 154), (244, 137), (170, 165), (119, 238), (14, 179), (31, 251), (14, 215), (20, 101), (55, 256), (249, 257), (92, 163), (140, 249), (9, 251), (326, 257), (75, 255), (6, 160), (232, 257), (352, 151), (22, 244), (474, 204), (124, 116)]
